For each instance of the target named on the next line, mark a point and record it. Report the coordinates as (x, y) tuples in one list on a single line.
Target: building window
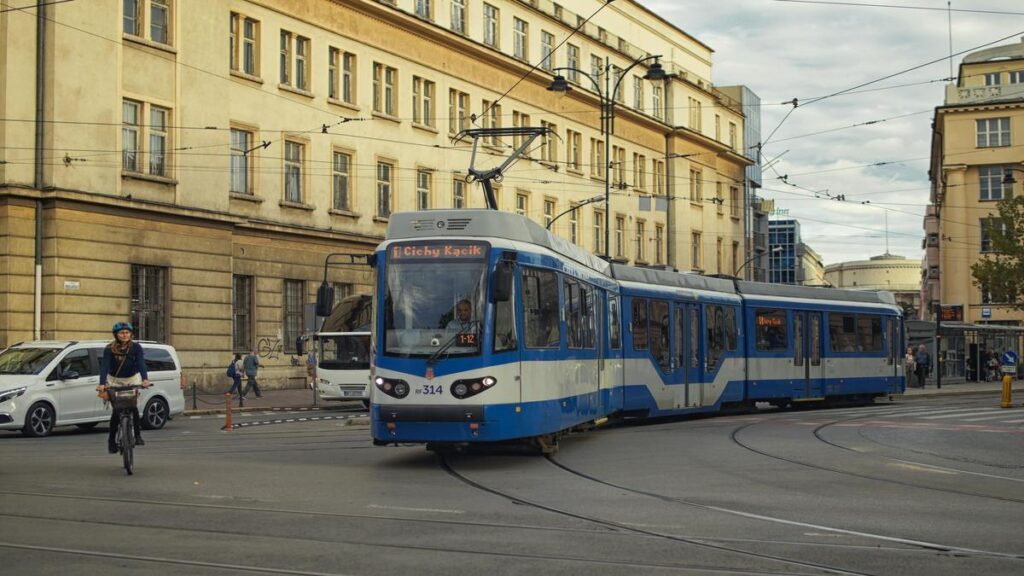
[(619, 155), (333, 78), (988, 226), (659, 244), (342, 290), (422, 101), (695, 257), (458, 111), (718, 127), (149, 302), (241, 167), (596, 67), (597, 165), (656, 108), (639, 171), (458, 193), (294, 298), (133, 133), (385, 180), (549, 212), (638, 93), (157, 141), (720, 256), (157, 19), (574, 225), (659, 177), (458, 16), (348, 75), (285, 58), (735, 255), (572, 61), (719, 200), (130, 130), (696, 186), (549, 142), (423, 189), (520, 38), (384, 89), (294, 153), (249, 49), (735, 204), (733, 143), (490, 117), (990, 182), (639, 239), (573, 142), (490, 25), (295, 69), (620, 237), (993, 132), (522, 204), (695, 115), (1017, 77), (547, 50), (340, 181), (598, 232), (241, 313), (425, 9), (992, 79)]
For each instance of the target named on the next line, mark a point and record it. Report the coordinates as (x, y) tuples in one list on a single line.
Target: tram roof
[(814, 293), (485, 224), (673, 279)]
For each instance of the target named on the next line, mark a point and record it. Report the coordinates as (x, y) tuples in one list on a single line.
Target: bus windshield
[(345, 351), (434, 297)]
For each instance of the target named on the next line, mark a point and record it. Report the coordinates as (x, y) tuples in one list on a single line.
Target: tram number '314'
[(430, 389)]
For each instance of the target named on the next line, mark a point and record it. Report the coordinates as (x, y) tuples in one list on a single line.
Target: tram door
[(807, 352), (687, 353), (613, 381)]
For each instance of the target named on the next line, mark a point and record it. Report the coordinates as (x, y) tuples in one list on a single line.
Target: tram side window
[(771, 329), (729, 325), (504, 325), (842, 332), (540, 308), (573, 310), (715, 327), (869, 333), (639, 324), (659, 334), (614, 331), (587, 329)]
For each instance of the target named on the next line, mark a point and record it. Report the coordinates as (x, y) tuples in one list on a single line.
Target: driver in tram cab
[(463, 320)]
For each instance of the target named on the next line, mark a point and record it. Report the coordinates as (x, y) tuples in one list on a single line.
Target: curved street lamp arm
[(573, 208), (597, 86), (622, 76)]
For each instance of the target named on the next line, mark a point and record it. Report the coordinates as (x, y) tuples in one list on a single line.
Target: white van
[(344, 351), (44, 384)]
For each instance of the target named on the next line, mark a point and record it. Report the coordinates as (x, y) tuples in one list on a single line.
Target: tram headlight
[(392, 387), (472, 386)]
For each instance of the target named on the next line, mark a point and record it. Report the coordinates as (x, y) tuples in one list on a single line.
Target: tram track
[(622, 527)]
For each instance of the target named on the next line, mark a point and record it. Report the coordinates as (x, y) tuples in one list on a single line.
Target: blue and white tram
[(488, 328)]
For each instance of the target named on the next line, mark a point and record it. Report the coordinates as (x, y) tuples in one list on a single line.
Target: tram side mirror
[(502, 290), (324, 299)]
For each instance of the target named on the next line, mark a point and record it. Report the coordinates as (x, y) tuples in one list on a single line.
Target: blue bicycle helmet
[(118, 326)]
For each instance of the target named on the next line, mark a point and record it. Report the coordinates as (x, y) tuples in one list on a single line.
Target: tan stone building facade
[(887, 272), (189, 165), (976, 144)]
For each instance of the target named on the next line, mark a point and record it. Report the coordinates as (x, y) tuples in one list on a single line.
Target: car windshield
[(26, 360), (434, 298), (345, 352)]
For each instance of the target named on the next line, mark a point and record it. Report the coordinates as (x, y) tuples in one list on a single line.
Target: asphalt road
[(928, 486)]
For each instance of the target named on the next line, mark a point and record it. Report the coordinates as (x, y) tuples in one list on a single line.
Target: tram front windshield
[(434, 296)]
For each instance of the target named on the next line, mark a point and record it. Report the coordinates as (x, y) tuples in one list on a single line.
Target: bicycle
[(125, 398)]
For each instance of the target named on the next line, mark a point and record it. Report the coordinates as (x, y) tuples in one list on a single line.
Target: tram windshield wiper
[(444, 348)]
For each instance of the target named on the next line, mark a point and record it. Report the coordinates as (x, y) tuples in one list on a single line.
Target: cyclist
[(123, 364)]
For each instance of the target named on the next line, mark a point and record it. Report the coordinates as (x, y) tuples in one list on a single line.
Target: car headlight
[(12, 394)]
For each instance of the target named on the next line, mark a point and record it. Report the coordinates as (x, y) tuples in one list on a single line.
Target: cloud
[(783, 50)]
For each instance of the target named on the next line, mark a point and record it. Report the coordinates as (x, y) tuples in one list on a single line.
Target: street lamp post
[(606, 97), (775, 250), (598, 198)]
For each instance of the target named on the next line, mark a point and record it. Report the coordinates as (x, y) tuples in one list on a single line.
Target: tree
[(1000, 272)]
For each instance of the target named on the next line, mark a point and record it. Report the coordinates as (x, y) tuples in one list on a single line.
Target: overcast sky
[(784, 50)]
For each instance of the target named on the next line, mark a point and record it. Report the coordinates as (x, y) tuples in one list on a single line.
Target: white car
[(44, 384)]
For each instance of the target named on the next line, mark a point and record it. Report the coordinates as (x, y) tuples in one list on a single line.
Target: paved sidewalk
[(303, 399)]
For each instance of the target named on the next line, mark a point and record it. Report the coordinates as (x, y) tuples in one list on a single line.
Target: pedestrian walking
[(251, 366), (235, 370), (311, 362), (922, 362), (909, 366)]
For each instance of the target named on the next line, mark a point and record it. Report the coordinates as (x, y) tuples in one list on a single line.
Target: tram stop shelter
[(965, 348)]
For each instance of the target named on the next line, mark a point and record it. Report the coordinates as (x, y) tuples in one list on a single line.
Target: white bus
[(343, 351)]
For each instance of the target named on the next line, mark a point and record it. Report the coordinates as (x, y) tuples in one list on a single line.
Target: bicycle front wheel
[(128, 444)]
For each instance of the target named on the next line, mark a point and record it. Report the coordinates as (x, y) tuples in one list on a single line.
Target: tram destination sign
[(433, 251), (952, 313)]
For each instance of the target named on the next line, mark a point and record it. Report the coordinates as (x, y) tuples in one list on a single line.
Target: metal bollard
[(1007, 392), (227, 413), (194, 397)]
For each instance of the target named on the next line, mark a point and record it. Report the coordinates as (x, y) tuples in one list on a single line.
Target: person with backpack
[(235, 373), (251, 365)]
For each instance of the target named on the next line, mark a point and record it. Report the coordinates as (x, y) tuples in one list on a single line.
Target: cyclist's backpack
[(232, 372)]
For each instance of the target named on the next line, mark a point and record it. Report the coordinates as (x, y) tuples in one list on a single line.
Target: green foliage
[(1001, 270)]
